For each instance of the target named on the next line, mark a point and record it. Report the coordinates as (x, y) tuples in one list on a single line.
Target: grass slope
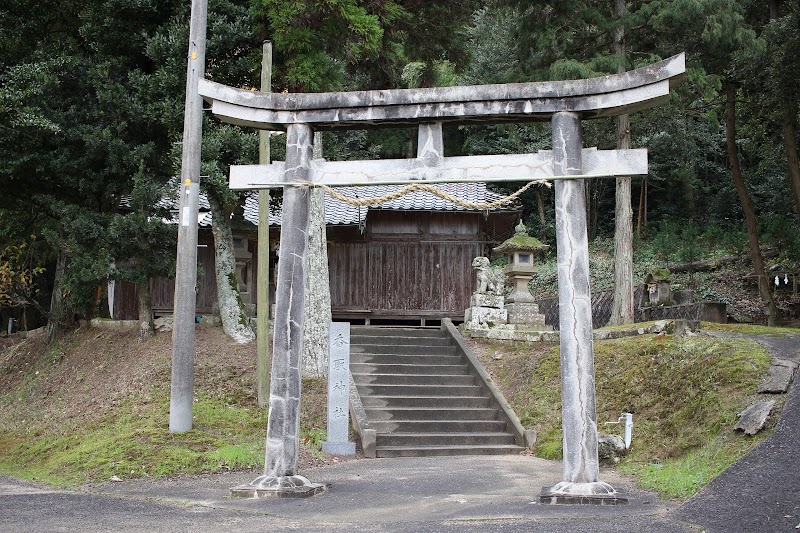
[(684, 393), (96, 405)]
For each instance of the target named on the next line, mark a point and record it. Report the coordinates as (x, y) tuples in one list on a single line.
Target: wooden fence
[(602, 303)]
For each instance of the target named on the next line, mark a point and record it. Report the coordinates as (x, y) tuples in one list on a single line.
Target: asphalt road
[(458, 494)]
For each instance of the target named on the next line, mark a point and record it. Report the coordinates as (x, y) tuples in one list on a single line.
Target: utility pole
[(183, 338), (262, 287)]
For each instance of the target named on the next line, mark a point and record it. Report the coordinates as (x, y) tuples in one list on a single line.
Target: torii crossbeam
[(563, 103)]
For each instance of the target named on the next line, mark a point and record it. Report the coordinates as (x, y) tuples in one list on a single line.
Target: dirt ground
[(90, 370)]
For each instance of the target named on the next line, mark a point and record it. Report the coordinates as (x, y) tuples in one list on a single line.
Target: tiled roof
[(340, 213), (251, 211)]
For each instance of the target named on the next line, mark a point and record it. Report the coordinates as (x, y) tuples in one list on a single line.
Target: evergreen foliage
[(91, 107)]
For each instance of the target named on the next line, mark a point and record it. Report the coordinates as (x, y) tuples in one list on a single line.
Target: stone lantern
[(521, 249)]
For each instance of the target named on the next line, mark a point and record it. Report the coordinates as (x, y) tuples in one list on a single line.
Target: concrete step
[(413, 360), (398, 340), (413, 379), (424, 401), (373, 331), (402, 349), (399, 368), (438, 426), (419, 390), (433, 451), (377, 414), (420, 395), (444, 439)]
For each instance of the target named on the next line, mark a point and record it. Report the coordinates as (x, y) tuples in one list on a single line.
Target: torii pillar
[(578, 414)]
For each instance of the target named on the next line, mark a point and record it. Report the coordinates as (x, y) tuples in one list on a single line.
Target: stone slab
[(753, 418), (516, 332), (485, 300), (109, 324), (521, 297), (516, 335), (781, 374), (607, 334), (659, 326), (483, 317), (339, 448), (685, 327), (526, 315)]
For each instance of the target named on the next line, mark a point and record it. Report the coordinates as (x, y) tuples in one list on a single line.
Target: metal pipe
[(628, 418)]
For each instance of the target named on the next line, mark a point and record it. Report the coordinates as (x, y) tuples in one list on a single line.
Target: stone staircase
[(422, 397)]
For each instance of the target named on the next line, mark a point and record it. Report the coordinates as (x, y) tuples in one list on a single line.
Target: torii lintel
[(604, 96)]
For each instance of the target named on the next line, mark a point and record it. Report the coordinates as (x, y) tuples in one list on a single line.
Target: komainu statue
[(490, 280)]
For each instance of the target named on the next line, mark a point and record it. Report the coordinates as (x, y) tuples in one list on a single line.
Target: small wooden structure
[(405, 261)]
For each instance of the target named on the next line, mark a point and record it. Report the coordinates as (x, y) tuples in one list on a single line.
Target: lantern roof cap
[(521, 241)]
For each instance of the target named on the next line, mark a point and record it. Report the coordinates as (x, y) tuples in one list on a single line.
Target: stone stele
[(337, 442)]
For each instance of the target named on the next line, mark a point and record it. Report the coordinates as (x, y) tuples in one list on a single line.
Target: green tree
[(17, 276), (717, 31), (317, 39), (232, 57), (151, 253), (767, 78), (71, 90)]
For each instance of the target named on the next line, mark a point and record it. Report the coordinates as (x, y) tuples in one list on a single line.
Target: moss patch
[(522, 241), (134, 442), (749, 329), (234, 284)]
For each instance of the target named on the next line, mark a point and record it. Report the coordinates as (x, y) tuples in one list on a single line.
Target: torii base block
[(278, 487), (551, 496)]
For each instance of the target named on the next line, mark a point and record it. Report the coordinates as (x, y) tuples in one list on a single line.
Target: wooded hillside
[(91, 114)]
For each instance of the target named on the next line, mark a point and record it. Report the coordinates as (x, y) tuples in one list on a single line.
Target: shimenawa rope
[(426, 187)]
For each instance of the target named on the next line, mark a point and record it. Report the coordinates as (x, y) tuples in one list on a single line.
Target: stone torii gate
[(563, 103)]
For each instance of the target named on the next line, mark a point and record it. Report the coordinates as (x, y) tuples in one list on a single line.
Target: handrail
[(360, 422)]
